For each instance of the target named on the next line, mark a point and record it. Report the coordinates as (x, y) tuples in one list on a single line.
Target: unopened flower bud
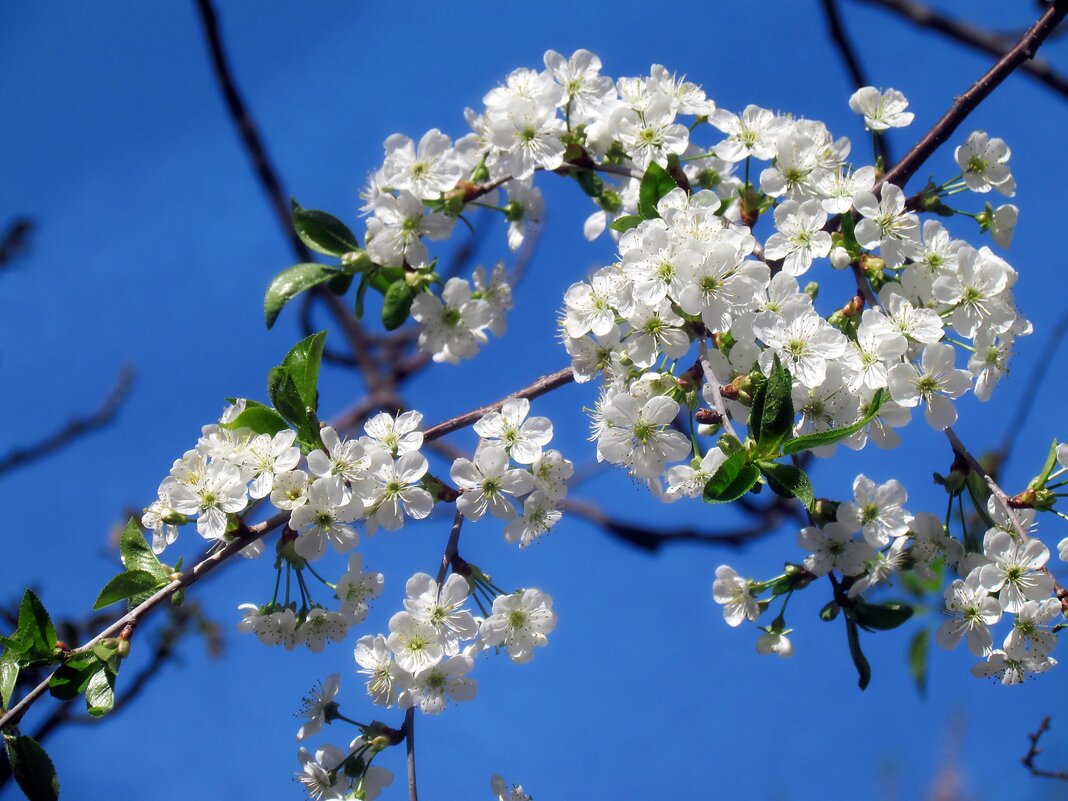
[(840, 258)]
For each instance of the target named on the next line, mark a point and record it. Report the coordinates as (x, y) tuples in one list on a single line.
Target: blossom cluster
[(375, 479), (432, 644), (488, 481), (873, 538)]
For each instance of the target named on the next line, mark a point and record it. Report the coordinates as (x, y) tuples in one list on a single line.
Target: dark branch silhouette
[(1033, 751), (75, 429), (995, 44)]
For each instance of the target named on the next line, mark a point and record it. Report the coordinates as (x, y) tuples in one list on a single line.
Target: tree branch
[(137, 614), (653, 538), (966, 103), (852, 62), (540, 387), (74, 429), (1033, 751), (994, 44)]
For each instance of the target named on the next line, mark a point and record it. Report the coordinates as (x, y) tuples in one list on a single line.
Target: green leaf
[(35, 637), (777, 415), (302, 364), (859, 660), (324, 233), (1040, 480), (260, 418), (31, 767), (291, 282), (789, 482), (919, 649), (9, 673), (127, 585), (285, 396), (100, 694), (626, 222), (397, 304), (136, 555), (756, 408), (656, 183), (72, 678), (747, 476), (882, 617), (725, 475), (810, 441)]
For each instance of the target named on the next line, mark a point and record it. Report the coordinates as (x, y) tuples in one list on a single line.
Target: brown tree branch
[(1033, 751), (852, 63), (994, 44), (966, 103), (76, 428)]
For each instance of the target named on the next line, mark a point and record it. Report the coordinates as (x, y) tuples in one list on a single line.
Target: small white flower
[(520, 622), (315, 704), (733, 592)]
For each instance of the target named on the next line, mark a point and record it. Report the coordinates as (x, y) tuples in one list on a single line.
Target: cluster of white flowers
[(690, 273), (1006, 577), (488, 482), (375, 479), (432, 644)]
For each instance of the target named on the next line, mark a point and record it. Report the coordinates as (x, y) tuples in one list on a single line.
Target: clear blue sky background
[(154, 246)]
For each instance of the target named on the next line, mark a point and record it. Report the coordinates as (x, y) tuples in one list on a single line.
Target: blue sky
[(154, 244)]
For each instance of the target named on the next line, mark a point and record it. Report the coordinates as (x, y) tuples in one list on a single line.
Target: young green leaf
[(1039, 481), (789, 482), (747, 476), (302, 364), (918, 651), (324, 233), (626, 222), (656, 183), (136, 555), (725, 474), (397, 304), (100, 693), (291, 282), (128, 585), (260, 418), (756, 408), (35, 637), (9, 673), (809, 441), (31, 767), (777, 416), (882, 617), (72, 678), (285, 396)]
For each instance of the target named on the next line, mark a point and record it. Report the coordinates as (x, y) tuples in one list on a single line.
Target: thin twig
[(653, 538), (717, 396), (852, 62), (540, 387), (995, 44), (246, 127), (134, 617), (74, 429), (1027, 402), (409, 744), (1033, 751), (966, 103)]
